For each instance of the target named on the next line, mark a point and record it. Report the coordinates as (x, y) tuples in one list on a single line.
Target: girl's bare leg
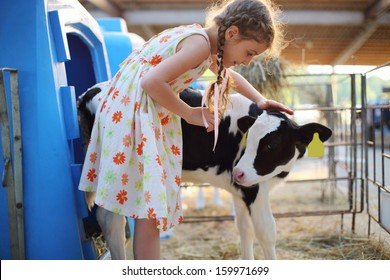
[(146, 243)]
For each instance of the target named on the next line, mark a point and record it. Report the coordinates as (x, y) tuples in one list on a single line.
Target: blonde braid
[(220, 78)]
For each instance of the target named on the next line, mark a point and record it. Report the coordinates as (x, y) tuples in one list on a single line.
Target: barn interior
[(321, 32)]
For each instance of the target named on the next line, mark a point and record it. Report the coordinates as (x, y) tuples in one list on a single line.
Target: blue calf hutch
[(58, 51)]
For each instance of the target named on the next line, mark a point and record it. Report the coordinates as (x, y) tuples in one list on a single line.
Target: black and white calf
[(255, 150)]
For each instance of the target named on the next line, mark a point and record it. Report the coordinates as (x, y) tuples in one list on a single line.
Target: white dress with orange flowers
[(134, 157)]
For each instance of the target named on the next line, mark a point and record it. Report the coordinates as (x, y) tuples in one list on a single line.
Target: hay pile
[(321, 238), (337, 247), (268, 77)]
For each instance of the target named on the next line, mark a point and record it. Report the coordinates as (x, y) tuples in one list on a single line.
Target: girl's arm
[(191, 52)]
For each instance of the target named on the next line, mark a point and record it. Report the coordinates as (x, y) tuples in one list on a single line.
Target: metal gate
[(335, 101), (345, 177), (377, 151)]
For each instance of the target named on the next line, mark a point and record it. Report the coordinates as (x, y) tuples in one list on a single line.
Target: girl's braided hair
[(256, 20)]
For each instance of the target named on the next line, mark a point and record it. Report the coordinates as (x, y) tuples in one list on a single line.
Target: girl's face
[(240, 52)]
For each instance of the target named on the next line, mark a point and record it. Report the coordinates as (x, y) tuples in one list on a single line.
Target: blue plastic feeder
[(59, 51)]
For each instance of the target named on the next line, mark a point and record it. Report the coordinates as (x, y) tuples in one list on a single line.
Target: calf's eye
[(272, 146)]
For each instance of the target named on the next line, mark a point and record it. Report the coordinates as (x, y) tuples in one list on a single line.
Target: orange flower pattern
[(122, 197), (126, 141), (117, 116), (93, 157), (165, 120), (175, 150), (119, 158), (134, 156), (155, 60), (125, 179), (178, 180), (91, 175)]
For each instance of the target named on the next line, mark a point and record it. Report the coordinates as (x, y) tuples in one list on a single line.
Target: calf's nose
[(238, 175)]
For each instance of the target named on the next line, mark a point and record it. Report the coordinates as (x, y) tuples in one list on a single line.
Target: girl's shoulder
[(182, 29), (191, 28), (179, 33), (166, 42)]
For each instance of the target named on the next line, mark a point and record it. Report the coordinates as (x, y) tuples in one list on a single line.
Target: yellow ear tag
[(315, 147), (243, 140)]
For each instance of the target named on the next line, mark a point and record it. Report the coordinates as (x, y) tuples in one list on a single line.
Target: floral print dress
[(134, 156)]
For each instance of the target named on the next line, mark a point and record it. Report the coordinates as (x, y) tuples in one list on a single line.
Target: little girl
[(134, 157)]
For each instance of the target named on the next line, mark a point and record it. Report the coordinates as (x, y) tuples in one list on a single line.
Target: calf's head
[(273, 144)]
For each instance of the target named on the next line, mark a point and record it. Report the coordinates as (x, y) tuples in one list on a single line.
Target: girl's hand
[(272, 104), (195, 117)]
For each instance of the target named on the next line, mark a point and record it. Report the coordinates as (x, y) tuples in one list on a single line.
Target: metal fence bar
[(375, 180), (12, 154), (197, 219), (345, 135)]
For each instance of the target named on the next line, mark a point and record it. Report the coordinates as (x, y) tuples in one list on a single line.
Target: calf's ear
[(307, 131), (245, 123)]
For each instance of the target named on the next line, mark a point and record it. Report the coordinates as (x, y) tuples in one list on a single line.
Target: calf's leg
[(264, 222), (245, 228), (113, 227)]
